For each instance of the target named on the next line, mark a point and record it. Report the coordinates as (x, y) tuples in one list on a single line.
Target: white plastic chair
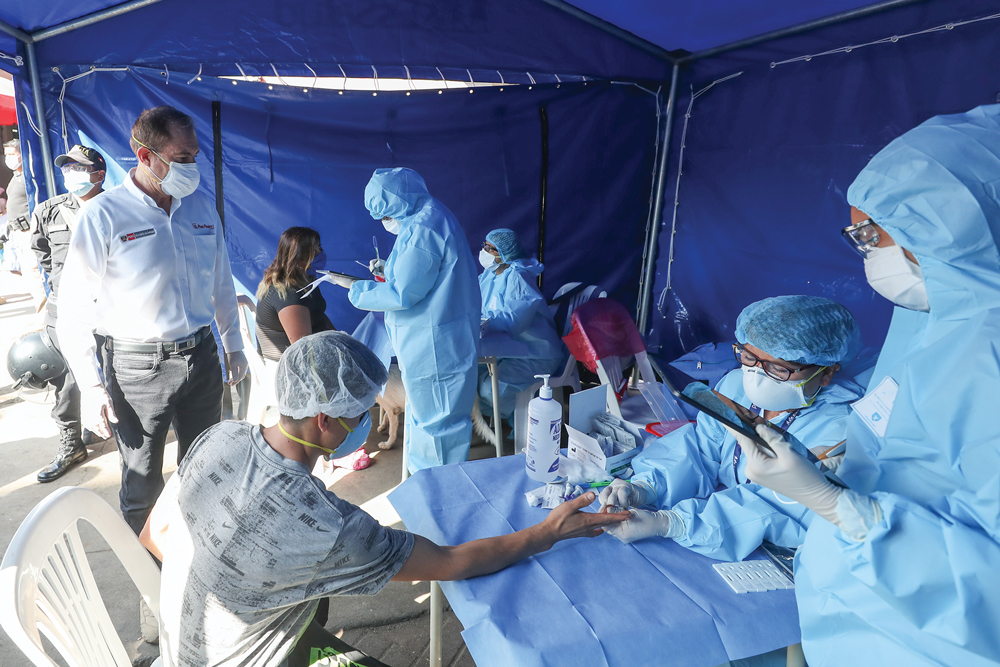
[(570, 376), (47, 587), (261, 373)]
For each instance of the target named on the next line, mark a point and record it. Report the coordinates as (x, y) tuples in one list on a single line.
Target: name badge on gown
[(875, 408)]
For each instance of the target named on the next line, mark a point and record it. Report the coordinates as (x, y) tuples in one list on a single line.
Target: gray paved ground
[(392, 626)]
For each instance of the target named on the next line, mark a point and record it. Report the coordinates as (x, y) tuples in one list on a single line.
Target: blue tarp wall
[(303, 158), (768, 155)]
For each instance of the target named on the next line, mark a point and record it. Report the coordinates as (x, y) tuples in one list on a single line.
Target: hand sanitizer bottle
[(541, 456)]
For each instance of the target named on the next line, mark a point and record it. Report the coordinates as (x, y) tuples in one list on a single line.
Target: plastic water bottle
[(541, 456)]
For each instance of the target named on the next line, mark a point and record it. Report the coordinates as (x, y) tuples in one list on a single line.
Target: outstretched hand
[(567, 521)]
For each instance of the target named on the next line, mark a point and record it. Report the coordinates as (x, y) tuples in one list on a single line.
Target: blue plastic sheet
[(592, 602), (521, 35), (294, 158), (769, 156)]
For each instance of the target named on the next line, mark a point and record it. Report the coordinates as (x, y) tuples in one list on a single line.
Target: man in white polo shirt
[(148, 270)]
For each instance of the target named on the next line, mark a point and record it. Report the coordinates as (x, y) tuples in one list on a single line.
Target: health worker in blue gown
[(903, 568), (791, 349), (431, 300), (513, 307)]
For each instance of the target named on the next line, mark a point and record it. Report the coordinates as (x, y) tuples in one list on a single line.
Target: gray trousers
[(150, 392)]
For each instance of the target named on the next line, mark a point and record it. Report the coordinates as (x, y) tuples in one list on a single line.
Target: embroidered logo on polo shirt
[(197, 226), (132, 236)]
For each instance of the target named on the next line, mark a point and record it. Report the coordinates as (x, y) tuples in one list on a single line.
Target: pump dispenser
[(541, 456)]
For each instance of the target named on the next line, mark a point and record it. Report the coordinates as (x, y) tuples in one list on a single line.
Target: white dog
[(393, 403)]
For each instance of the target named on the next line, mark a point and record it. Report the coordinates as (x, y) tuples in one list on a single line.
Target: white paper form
[(875, 408)]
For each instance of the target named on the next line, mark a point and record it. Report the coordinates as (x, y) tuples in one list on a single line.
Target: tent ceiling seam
[(791, 31), (89, 19), (611, 29), (886, 40)]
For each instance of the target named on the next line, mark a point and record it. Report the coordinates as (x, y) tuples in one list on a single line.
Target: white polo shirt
[(135, 273)]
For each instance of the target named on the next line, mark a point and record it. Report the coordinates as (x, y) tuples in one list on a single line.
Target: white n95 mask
[(769, 394), (487, 260), (391, 225), (182, 179), (894, 276)]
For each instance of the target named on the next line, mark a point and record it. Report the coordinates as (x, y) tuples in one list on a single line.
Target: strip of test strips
[(753, 576)]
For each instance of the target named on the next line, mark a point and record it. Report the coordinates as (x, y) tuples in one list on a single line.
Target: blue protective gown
[(923, 588), (431, 301), (513, 305), (687, 465)]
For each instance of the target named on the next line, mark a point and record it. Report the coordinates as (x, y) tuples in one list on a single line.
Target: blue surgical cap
[(506, 243), (801, 329), (395, 193)]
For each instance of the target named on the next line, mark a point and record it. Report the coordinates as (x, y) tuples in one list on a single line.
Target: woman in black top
[(283, 317)]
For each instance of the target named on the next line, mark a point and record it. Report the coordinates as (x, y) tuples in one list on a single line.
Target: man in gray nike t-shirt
[(251, 541)]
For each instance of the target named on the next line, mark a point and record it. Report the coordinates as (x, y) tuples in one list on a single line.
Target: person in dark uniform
[(53, 222)]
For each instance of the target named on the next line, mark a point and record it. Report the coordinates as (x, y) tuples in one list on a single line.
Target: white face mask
[(12, 161), (391, 225), (487, 260), (182, 179), (78, 182), (895, 277), (769, 394)]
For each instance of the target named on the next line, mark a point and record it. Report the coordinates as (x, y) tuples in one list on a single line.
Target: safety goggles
[(862, 236), (772, 369), (490, 248)]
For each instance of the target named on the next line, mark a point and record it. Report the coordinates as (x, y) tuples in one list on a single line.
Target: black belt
[(169, 347)]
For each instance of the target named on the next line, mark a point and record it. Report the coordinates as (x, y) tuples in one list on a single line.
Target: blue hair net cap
[(506, 243), (801, 329), (395, 193)]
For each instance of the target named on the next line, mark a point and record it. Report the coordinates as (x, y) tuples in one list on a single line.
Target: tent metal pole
[(790, 31), (649, 269), (543, 186), (43, 127), (611, 29), (220, 202), (89, 19), (16, 33)]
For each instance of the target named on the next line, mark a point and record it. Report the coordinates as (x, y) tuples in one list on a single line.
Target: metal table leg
[(493, 368), (437, 622)]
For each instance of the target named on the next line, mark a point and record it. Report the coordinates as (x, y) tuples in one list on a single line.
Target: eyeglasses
[(490, 248), (772, 369), (75, 167), (862, 236)]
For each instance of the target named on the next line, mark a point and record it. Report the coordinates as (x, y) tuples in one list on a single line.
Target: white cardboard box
[(583, 405)]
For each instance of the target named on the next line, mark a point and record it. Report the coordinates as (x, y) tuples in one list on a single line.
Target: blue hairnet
[(936, 191), (506, 243), (395, 193), (800, 329)]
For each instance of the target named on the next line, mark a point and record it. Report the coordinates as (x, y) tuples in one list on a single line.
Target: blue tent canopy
[(767, 151)]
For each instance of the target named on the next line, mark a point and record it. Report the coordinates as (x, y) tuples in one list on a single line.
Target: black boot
[(71, 452)]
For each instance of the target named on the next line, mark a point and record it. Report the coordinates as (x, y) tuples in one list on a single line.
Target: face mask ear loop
[(303, 442), (806, 381), (145, 168)]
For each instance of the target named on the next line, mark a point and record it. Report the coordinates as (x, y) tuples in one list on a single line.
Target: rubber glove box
[(583, 406)]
